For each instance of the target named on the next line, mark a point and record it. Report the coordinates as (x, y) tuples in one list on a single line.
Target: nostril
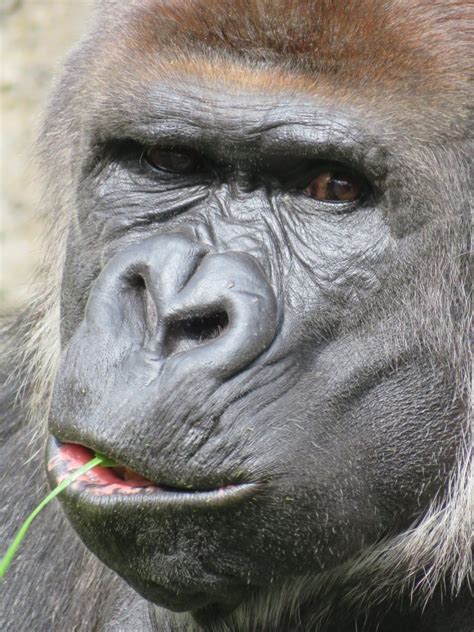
[(137, 282), (186, 333), (204, 327), (142, 300)]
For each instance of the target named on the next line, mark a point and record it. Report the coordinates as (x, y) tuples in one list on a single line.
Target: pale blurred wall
[(34, 37)]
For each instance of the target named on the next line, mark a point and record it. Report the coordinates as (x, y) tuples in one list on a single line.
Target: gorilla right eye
[(337, 187), (173, 161)]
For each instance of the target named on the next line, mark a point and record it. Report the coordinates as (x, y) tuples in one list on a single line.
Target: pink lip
[(98, 480)]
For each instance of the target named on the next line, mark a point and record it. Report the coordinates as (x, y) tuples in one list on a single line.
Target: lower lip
[(66, 458)]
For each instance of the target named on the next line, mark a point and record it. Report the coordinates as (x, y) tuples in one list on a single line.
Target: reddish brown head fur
[(413, 44)]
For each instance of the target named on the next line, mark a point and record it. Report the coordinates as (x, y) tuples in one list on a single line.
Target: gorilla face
[(246, 280)]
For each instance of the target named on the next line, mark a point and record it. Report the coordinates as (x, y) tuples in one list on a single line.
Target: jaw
[(166, 542), (204, 551)]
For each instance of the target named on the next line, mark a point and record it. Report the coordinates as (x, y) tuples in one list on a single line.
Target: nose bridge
[(249, 223)]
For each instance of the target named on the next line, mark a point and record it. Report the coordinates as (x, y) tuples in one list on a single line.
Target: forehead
[(218, 92), (242, 109), (390, 57)]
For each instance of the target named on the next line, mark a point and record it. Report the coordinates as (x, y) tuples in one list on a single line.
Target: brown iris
[(173, 161), (334, 186)]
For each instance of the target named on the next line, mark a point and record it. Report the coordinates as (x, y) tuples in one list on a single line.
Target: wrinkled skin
[(264, 357)]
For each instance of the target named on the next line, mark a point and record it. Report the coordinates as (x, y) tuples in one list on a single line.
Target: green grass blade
[(5, 562)]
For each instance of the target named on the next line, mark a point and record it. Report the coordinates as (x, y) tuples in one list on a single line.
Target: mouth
[(121, 481)]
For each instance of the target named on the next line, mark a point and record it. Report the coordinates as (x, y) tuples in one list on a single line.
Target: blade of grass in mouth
[(99, 459)]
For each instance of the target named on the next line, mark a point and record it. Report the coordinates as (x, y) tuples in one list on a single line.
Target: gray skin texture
[(219, 325)]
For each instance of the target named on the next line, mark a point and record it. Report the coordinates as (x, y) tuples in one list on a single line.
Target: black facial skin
[(234, 333)]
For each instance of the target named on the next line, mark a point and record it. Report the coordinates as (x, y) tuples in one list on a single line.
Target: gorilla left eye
[(336, 186), (183, 162)]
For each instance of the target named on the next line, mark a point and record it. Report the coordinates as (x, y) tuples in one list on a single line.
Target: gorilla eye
[(336, 186), (171, 161)]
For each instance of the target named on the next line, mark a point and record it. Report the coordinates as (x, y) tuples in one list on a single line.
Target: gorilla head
[(262, 218)]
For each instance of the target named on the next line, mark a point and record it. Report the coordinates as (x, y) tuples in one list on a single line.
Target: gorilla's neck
[(440, 615)]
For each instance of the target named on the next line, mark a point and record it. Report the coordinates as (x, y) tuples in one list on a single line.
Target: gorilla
[(255, 300)]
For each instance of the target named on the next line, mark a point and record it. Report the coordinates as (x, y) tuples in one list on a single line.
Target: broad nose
[(187, 305)]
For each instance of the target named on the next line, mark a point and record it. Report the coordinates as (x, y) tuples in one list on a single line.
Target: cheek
[(81, 268), (404, 441), (342, 257)]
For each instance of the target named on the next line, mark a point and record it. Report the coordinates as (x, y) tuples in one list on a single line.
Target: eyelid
[(203, 167), (303, 174)]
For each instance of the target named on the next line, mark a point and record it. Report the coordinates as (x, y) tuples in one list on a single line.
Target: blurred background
[(35, 35)]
